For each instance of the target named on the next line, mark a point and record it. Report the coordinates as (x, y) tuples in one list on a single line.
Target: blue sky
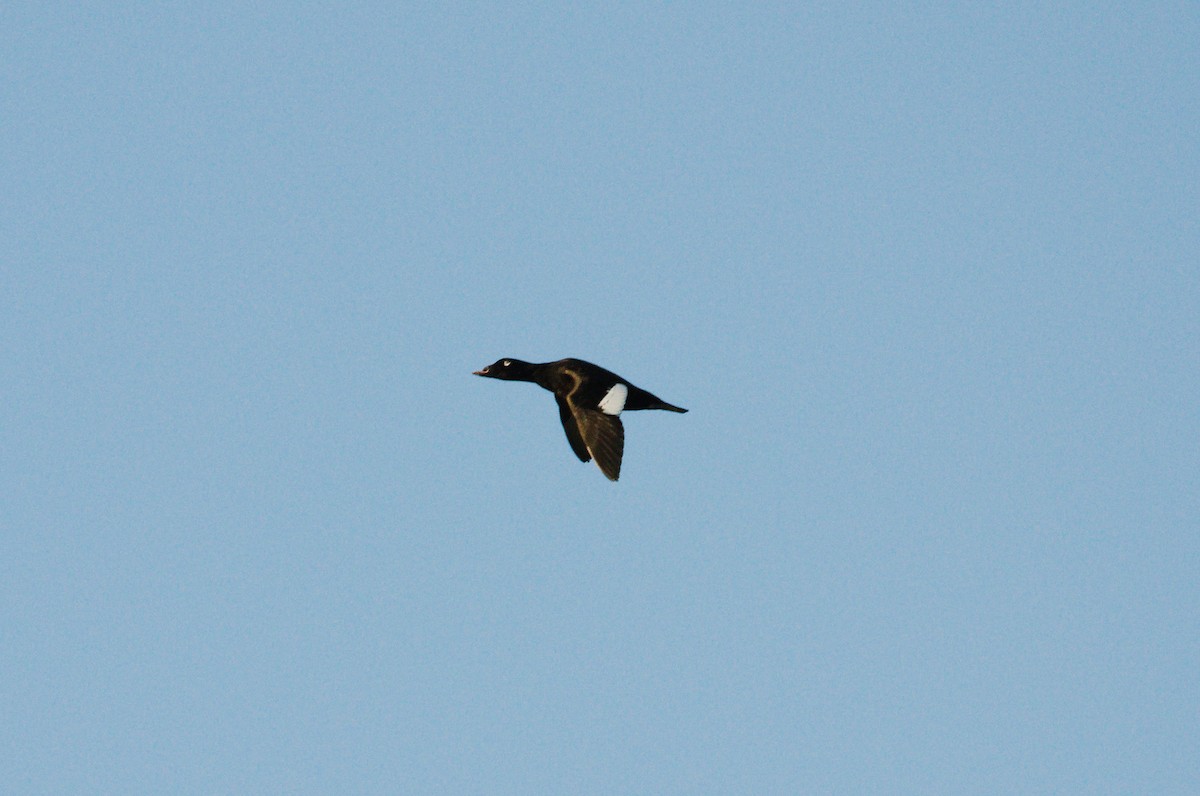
[(926, 277)]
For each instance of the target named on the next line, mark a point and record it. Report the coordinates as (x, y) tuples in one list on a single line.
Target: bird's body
[(590, 401)]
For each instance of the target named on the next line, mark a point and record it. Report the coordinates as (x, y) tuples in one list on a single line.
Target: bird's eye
[(507, 362)]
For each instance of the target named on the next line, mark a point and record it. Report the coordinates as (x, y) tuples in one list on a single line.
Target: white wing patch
[(614, 400)]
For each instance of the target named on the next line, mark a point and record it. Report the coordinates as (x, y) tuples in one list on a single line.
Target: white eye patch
[(614, 400)]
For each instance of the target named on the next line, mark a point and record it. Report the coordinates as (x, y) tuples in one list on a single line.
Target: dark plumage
[(590, 401)]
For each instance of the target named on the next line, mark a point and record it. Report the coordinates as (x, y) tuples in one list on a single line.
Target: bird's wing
[(572, 428), (604, 437), (602, 434)]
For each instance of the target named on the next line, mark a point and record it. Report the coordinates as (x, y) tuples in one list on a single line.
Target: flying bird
[(590, 401)]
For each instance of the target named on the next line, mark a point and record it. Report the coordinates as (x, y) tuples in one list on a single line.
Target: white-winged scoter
[(590, 401)]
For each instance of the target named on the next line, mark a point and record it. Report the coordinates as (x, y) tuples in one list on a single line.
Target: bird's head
[(507, 369)]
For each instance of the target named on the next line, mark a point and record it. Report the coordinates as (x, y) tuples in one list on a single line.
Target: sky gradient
[(927, 279)]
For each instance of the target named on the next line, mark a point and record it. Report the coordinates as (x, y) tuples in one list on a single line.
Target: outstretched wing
[(595, 430), (572, 428), (604, 437)]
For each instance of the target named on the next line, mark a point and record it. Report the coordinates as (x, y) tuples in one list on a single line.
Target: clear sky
[(927, 277)]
